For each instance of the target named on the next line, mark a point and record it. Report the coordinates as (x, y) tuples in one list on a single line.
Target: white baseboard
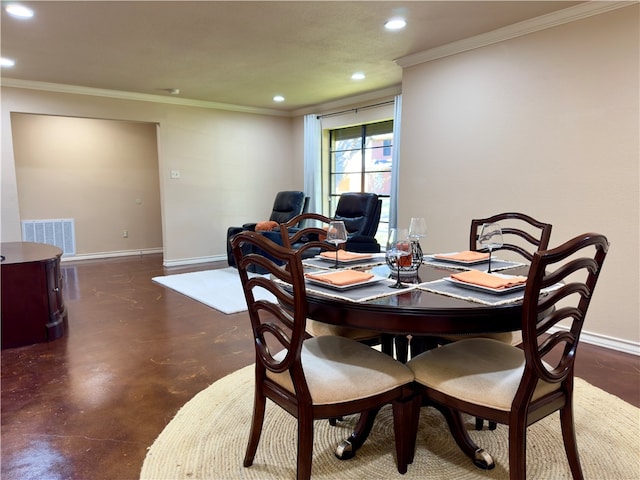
[(194, 261), (128, 253), (612, 343), (99, 255)]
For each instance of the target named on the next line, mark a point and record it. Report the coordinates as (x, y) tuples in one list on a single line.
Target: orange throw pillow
[(321, 237), (266, 225)]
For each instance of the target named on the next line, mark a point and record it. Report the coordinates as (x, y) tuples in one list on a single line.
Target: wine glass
[(398, 247), (417, 230), (336, 234), (490, 238)]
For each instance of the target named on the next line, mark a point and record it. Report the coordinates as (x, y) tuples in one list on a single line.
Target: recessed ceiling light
[(19, 11), (278, 98), (396, 23), (6, 62), (358, 76)]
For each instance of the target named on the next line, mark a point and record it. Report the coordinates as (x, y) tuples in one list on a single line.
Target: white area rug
[(220, 289)]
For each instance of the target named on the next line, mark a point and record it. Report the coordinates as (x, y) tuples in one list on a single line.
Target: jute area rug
[(207, 440)]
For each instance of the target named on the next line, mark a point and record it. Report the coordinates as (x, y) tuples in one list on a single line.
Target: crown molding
[(141, 97), (519, 29), (567, 15), (323, 108)]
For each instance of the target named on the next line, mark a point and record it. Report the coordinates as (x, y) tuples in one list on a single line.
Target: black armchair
[(286, 205), (360, 213)]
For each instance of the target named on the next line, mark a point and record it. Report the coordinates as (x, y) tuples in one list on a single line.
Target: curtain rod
[(354, 109)]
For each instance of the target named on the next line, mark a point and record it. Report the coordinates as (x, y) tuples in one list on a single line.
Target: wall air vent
[(58, 232)]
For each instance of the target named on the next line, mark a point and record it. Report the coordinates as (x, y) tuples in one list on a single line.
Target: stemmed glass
[(397, 248), (336, 234), (417, 230), (490, 238)]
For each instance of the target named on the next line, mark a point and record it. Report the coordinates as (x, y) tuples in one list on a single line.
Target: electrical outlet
[(175, 173), (125, 234)]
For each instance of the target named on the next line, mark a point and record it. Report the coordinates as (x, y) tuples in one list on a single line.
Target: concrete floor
[(87, 406)]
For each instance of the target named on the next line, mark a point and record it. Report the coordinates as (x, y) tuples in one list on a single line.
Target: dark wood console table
[(32, 309)]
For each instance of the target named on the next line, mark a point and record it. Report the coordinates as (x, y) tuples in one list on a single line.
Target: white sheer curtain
[(395, 155), (312, 161)]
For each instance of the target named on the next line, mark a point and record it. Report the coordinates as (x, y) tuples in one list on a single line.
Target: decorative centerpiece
[(405, 267)]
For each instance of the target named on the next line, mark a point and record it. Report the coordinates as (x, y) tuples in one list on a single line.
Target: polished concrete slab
[(88, 405)]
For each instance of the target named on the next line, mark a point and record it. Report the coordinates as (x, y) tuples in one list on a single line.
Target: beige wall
[(231, 165), (549, 121), (545, 124), (101, 173)]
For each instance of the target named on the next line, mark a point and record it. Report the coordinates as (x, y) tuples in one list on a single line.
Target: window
[(360, 161)]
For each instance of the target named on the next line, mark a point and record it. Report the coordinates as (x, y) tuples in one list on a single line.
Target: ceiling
[(241, 52)]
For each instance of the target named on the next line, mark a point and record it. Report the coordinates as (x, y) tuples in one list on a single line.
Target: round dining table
[(414, 312), (419, 312)]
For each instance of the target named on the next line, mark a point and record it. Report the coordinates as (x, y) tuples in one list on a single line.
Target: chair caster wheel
[(483, 460), (345, 450)]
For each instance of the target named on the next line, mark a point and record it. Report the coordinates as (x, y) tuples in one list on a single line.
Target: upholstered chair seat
[(481, 371), (340, 370)]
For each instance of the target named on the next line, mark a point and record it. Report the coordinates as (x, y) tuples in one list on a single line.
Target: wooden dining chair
[(515, 386), (309, 238), (521, 233), (306, 233), (317, 377)]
